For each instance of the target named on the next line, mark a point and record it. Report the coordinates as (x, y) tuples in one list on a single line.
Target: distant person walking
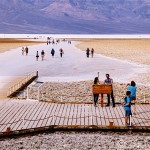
[(87, 52), (23, 50), (26, 50), (96, 96), (53, 42), (132, 89), (61, 52), (37, 56), (52, 52), (92, 52), (42, 54)]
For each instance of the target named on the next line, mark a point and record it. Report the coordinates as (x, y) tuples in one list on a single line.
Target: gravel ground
[(79, 141), (82, 91)]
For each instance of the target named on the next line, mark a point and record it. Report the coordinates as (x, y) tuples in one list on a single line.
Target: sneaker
[(95, 105), (113, 105), (127, 124), (107, 105)]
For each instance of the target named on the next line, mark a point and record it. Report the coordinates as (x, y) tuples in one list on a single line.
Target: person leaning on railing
[(109, 81), (96, 96)]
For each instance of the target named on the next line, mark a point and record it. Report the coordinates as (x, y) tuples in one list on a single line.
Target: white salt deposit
[(74, 66)]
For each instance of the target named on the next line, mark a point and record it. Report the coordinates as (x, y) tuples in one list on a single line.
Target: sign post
[(102, 89)]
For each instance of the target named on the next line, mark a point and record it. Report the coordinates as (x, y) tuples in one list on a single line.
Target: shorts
[(128, 113), (133, 100)]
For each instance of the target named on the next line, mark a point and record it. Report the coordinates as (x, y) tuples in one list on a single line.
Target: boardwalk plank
[(34, 115), (140, 116), (49, 115), (82, 120), (61, 121), (28, 115), (38, 114), (97, 114), (85, 108), (71, 115), (6, 111), (102, 116), (114, 114), (107, 115), (58, 113), (17, 116), (8, 119), (68, 114), (120, 115), (65, 114), (93, 113), (143, 114), (42, 116), (19, 125)]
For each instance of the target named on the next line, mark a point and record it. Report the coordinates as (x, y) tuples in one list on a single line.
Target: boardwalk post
[(111, 124), (8, 130)]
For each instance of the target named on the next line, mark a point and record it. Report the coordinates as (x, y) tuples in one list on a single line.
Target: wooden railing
[(17, 86)]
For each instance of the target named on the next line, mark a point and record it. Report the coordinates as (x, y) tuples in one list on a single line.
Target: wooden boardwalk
[(26, 114)]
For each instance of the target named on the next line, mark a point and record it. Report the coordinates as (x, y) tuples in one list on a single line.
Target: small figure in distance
[(87, 52), (96, 96), (108, 80), (22, 50), (37, 56), (42, 54), (61, 52), (26, 50), (53, 42), (52, 52), (132, 89), (92, 52), (127, 108)]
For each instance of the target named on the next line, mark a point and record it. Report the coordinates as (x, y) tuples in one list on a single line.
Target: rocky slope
[(75, 16)]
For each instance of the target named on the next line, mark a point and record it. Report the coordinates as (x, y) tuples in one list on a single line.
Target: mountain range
[(75, 16)]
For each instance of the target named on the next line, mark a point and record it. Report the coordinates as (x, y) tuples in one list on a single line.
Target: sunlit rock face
[(75, 16)]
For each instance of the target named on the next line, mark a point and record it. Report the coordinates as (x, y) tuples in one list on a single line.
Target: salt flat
[(74, 65)]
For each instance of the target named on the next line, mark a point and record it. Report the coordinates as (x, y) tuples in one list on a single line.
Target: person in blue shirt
[(53, 52), (127, 108), (132, 89), (108, 80)]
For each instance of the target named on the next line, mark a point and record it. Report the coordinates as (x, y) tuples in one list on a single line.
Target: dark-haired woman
[(96, 96), (132, 89)]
